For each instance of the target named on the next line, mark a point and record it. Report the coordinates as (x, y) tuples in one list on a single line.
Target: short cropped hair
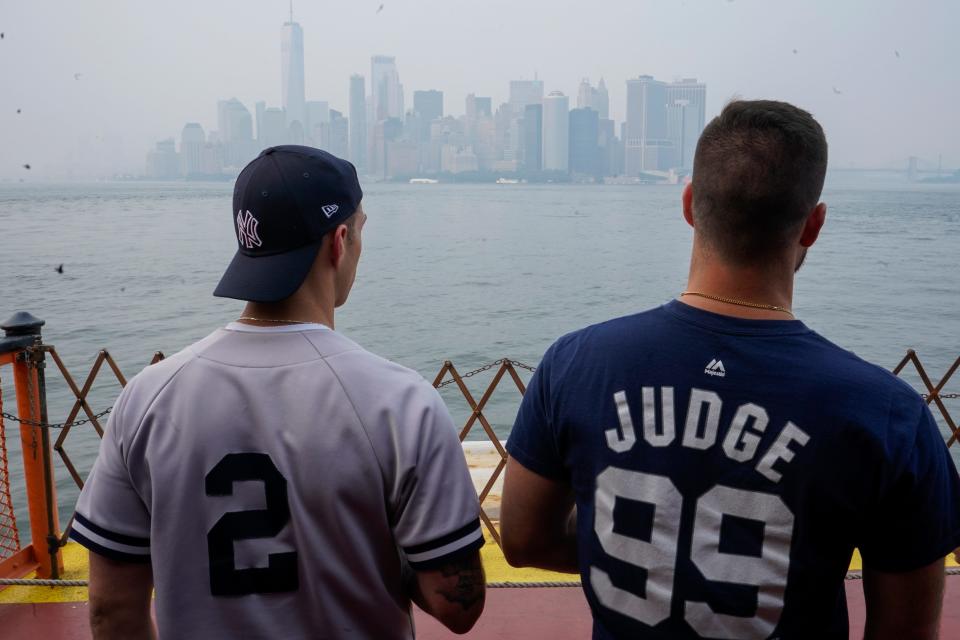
[(757, 173)]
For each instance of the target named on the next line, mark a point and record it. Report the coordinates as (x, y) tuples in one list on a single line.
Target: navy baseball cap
[(284, 202)]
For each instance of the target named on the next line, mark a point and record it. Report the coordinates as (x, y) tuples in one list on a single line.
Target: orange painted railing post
[(29, 384)]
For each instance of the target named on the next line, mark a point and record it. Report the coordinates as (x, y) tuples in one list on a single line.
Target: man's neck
[(770, 289), (288, 311)]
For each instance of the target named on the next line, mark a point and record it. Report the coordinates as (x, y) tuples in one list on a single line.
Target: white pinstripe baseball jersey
[(276, 479)]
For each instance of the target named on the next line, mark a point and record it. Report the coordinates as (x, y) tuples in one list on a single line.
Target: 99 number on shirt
[(658, 556), (280, 574)]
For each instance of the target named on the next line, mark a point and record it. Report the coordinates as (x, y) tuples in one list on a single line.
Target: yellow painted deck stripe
[(75, 568)]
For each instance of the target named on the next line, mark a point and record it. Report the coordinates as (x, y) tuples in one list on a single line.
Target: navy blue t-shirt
[(725, 469)]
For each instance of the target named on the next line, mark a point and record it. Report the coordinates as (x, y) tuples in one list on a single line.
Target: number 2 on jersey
[(658, 556), (281, 572)]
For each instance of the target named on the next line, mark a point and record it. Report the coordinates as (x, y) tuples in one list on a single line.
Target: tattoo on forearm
[(470, 584)]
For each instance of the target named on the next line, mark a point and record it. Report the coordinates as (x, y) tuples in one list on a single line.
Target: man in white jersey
[(275, 480)]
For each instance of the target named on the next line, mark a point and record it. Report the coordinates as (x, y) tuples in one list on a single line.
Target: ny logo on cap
[(247, 230), (329, 209)]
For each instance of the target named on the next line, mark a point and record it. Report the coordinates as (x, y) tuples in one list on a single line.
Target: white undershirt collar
[(283, 328)]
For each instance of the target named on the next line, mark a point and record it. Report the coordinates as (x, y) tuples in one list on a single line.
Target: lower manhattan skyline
[(94, 99)]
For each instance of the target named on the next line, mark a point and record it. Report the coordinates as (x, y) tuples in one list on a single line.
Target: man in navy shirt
[(709, 466)]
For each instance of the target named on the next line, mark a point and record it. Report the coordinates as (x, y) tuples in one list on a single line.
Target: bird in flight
[(27, 167), (896, 53), (59, 268), (794, 52), (837, 91), (76, 76), (380, 8)]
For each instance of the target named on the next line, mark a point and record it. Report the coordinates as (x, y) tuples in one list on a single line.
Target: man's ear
[(813, 224), (338, 242), (687, 200)]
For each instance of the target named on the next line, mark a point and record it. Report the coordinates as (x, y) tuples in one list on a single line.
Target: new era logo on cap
[(329, 209)]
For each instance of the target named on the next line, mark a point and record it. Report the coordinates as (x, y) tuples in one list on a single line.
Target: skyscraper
[(477, 107), (585, 94), (233, 120), (294, 100), (524, 92), (686, 117), (192, 141), (385, 89), (533, 138), (584, 138), (384, 132), (358, 121), (646, 145), (335, 134), (556, 132), (163, 162), (480, 128), (611, 149), (317, 115), (602, 100), (508, 143), (260, 107), (273, 127), (596, 98), (429, 104), (236, 132), (446, 132)]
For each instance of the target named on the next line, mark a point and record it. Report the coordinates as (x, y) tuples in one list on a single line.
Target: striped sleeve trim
[(107, 543), (431, 554)]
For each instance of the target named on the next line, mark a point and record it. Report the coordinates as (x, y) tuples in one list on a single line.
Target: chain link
[(487, 367), (54, 425)]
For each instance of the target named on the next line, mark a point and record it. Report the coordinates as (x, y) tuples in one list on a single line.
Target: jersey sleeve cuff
[(107, 543), (430, 555), (537, 466)]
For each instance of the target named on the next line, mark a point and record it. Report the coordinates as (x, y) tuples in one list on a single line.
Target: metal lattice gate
[(9, 534)]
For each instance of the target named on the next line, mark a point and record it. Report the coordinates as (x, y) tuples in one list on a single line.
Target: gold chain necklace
[(279, 321), (741, 303)]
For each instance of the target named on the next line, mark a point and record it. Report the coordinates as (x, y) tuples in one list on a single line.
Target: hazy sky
[(146, 68)]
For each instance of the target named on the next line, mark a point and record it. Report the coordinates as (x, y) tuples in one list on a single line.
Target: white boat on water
[(423, 181), (507, 181)]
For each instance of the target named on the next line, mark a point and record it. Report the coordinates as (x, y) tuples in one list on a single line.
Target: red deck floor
[(554, 613)]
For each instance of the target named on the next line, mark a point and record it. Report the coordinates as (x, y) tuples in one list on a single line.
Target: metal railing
[(506, 366), (20, 349), (934, 395), (23, 349)]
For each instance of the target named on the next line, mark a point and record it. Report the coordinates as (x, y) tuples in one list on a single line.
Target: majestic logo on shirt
[(329, 209), (247, 230), (715, 368)]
